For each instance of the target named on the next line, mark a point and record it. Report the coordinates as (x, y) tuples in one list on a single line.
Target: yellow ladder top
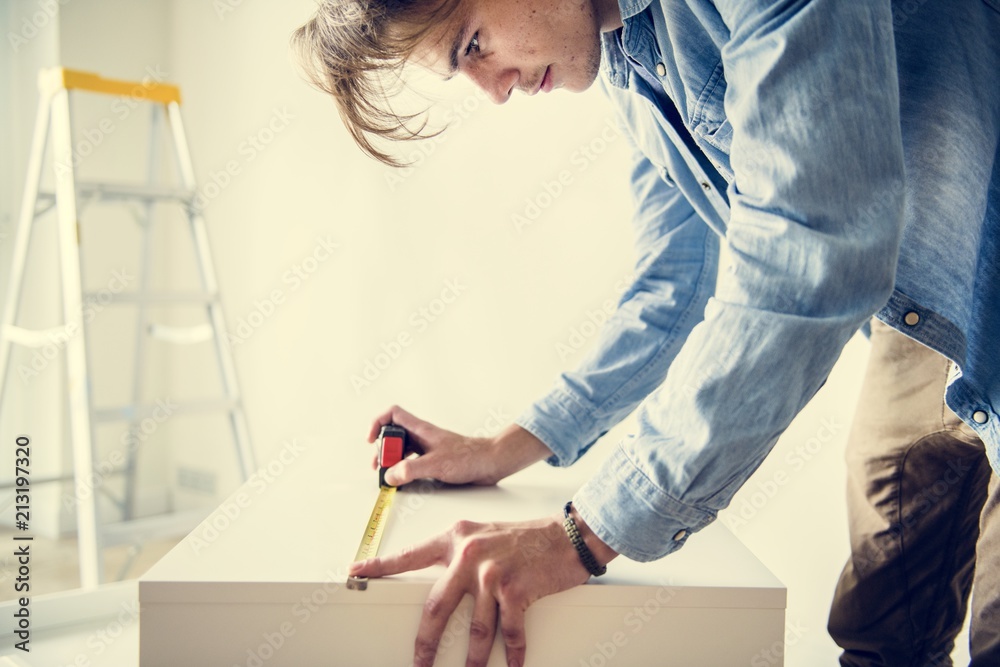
[(56, 78)]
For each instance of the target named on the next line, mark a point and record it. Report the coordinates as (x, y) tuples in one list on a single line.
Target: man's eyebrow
[(453, 52)]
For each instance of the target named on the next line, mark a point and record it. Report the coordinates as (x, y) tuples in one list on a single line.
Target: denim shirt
[(845, 155)]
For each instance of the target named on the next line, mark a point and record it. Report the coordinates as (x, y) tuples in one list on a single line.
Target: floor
[(54, 563), (76, 628)]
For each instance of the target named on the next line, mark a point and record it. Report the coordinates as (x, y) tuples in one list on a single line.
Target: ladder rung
[(35, 481), (182, 335), (139, 412), (37, 337), (152, 297), (45, 208), (127, 191)]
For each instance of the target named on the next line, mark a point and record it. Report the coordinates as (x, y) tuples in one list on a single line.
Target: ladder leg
[(91, 566), (23, 234), (132, 453), (223, 352), (227, 367)]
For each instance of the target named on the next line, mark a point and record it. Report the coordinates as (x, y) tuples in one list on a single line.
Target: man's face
[(508, 45)]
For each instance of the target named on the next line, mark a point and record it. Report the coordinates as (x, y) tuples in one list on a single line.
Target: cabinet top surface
[(282, 533)]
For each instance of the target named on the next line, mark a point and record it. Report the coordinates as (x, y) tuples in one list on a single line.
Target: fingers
[(482, 630), (394, 415), (420, 431), (380, 421), (408, 470), (425, 554), (512, 631), (444, 598)]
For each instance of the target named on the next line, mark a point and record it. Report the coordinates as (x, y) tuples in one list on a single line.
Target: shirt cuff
[(563, 422), (632, 515)]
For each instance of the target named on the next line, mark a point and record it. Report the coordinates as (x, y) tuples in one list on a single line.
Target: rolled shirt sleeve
[(674, 276), (813, 236)]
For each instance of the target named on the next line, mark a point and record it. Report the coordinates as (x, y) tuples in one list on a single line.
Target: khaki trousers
[(924, 520)]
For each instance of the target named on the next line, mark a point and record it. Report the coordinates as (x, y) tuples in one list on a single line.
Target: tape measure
[(391, 449)]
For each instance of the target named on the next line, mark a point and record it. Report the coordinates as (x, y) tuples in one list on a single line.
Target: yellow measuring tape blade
[(373, 534)]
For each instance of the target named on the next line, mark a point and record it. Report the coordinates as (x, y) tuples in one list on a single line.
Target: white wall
[(34, 387)]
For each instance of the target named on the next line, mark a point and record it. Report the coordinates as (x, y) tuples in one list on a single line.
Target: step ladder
[(68, 199)]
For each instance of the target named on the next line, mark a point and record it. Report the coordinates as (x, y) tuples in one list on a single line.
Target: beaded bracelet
[(586, 556)]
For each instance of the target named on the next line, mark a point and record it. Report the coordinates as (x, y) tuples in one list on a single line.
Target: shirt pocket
[(665, 175), (710, 109), (717, 135)]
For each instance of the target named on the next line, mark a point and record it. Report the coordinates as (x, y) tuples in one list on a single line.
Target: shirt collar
[(614, 65), (630, 8)]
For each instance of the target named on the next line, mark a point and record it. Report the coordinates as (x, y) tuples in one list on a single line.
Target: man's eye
[(473, 44)]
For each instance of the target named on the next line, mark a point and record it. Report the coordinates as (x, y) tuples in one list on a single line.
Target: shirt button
[(681, 534), (980, 417), (661, 69), (911, 318)]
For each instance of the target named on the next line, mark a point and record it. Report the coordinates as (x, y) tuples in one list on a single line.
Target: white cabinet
[(261, 583)]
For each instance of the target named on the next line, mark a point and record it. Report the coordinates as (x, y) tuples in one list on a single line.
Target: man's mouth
[(547, 81)]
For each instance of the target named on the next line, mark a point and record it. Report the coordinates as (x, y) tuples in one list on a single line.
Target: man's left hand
[(506, 567)]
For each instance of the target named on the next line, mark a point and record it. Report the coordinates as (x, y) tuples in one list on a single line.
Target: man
[(846, 151)]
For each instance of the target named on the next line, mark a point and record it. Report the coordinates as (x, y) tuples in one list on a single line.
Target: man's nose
[(498, 84)]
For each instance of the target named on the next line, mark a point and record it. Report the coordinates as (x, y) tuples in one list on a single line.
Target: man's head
[(356, 50)]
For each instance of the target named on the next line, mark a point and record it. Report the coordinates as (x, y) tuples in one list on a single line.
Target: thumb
[(407, 470)]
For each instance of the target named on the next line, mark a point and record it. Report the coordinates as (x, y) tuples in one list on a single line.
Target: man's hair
[(355, 50)]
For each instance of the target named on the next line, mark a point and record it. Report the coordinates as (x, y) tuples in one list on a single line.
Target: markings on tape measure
[(373, 534), (391, 450), (376, 524)]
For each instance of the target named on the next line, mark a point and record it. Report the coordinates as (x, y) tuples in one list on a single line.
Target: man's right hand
[(457, 459)]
